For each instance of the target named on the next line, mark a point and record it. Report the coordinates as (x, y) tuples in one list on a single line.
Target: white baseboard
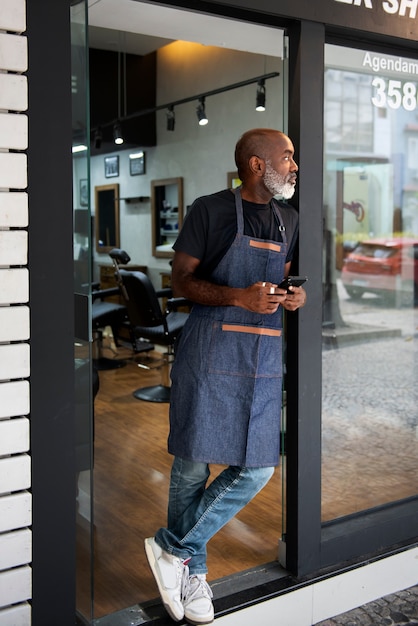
[(332, 596)]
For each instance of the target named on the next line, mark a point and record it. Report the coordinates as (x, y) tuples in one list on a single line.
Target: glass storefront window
[(370, 278)]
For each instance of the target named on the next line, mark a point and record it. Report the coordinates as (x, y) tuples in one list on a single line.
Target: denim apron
[(226, 390)]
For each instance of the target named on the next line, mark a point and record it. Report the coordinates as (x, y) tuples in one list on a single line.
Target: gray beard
[(277, 184)]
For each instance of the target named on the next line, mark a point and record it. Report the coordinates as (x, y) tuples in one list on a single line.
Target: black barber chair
[(150, 323), (138, 344), (106, 314)]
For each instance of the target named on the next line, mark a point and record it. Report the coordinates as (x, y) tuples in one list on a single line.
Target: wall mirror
[(107, 225), (167, 214)]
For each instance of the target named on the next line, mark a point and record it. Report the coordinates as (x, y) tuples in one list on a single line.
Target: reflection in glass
[(370, 276), (86, 384), (167, 214), (107, 217)]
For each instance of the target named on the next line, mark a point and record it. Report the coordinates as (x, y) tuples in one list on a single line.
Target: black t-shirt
[(210, 227)]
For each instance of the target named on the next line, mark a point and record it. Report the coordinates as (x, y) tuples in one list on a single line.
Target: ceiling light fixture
[(117, 133), (201, 97), (117, 128), (261, 96), (79, 148), (201, 113), (171, 118)]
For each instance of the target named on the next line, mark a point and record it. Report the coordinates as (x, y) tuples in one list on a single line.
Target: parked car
[(386, 267)]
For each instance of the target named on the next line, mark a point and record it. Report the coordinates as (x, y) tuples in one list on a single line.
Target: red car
[(386, 267)]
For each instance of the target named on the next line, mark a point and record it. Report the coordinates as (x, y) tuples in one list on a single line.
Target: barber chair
[(150, 323), (105, 313), (138, 344)]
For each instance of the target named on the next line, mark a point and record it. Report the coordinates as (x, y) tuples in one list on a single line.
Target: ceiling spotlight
[(98, 136), (261, 96), (201, 113), (171, 118), (117, 133)]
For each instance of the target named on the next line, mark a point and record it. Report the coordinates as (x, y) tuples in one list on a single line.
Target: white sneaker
[(197, 600), (171, 574)]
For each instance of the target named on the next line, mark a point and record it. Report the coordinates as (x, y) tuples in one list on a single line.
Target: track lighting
[(117, 133), (169, 106), (98, 136), (201, 113), (171, 118), (261, 96)]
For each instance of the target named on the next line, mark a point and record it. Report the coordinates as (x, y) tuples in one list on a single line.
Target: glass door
[(370, 280), (86, 379), (131, 462)]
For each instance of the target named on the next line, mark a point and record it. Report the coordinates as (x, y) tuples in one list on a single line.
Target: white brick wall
[(15, 462)]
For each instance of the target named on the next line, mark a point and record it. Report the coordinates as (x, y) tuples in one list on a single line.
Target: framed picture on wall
[(111, 164), (84, 192), (137, 163)]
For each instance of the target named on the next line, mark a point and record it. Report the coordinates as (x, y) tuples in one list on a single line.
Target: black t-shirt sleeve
[(193, 235), (208, 230)]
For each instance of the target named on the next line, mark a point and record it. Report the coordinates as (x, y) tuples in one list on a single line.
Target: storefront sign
[(394, 18), (404, 8)]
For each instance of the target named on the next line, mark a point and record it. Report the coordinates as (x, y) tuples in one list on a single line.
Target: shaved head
[(259, 142)]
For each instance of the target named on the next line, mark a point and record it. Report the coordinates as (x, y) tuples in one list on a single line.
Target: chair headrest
[(120, 256)]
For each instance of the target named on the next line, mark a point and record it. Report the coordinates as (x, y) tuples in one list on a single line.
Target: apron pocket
[(244, 350)]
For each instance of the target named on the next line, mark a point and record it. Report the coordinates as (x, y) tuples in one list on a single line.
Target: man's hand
[(261, 297), (294, 300)]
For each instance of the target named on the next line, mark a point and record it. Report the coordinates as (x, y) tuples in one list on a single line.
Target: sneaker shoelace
[(195, 587), (183, 577)]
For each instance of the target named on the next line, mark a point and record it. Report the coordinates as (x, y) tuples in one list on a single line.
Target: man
[(234, 249)]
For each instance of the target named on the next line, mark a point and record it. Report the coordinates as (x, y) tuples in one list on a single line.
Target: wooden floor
[(131, 476)]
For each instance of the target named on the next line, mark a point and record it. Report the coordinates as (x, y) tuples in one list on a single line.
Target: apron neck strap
[(239, 210)]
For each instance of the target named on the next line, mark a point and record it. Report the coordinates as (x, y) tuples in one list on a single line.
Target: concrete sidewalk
[(400, 609)]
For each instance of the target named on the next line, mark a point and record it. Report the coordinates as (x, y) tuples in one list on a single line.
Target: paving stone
[(396, 609)]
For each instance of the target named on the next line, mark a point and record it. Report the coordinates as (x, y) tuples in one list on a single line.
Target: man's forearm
[(204, 292)]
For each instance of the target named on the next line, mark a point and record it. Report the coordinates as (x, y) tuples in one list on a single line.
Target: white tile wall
[(13, 15), (13, 208), (13, 92), (15, 586), (15, 473), (15, 511), (13, 131), (14, 286), (13, 52), (14, 398), (19, 615), (13, 247), (15, 548), (15, 462), (13, 170), (14, 436), (14, 323), (14, 361)]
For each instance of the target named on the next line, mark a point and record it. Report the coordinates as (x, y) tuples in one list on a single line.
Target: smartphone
[(295, 281)]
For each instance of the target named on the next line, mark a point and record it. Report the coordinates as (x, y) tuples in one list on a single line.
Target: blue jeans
[(197, 512)]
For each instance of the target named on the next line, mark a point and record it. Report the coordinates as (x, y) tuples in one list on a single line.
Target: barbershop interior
[(155, 73)]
